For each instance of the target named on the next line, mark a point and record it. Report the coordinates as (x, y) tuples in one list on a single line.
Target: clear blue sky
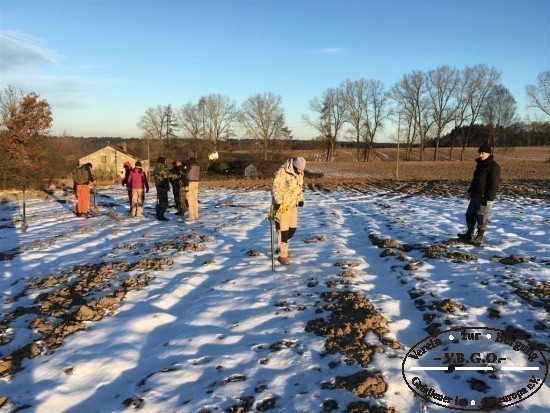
[(101, 64)]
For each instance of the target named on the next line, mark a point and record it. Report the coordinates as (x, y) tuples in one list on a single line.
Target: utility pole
[(397, 157), (148, 156)]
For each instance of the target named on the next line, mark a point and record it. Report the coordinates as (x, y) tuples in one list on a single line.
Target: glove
[(301, 203), (281, 210), (284, 208), (487, 203)]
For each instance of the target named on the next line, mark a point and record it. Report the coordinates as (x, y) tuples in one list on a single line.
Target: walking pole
[(95, 209), (271, 218), (24, 225)]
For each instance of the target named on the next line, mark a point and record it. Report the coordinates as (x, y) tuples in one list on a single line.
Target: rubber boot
[(478, 240), (283, 254), (467, 236)]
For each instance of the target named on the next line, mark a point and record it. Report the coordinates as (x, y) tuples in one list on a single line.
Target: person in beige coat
[(287, 195)]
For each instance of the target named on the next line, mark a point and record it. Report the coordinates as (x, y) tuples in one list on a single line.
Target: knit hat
[(161, 159), (138, 163), (128, 164), (484, 148), (299, 163)]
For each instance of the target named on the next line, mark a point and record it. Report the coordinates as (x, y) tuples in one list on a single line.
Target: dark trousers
[(176, 192), (477, 213), (162, 202)]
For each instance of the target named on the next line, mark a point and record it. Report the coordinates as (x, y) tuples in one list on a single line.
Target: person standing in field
[(183, 190), (287, 196), (137, 182), (175, 182), (191, 172), (127, 169), (162, 177), (81, 186), (482, 192)]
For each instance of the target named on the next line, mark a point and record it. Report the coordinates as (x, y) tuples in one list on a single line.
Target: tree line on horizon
[(428, 106), (441, 107)]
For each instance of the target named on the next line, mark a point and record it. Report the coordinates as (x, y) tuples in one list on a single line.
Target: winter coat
[(88, 171), (191, 170), (486, 179), (138, 179), (127, 171), (287, 186), (162, 176), (90, 177), (177, 179)]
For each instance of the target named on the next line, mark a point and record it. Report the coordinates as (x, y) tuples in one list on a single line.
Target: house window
[(103, 159)]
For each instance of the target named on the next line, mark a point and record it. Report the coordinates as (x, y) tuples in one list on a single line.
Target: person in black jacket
[(482, 191)]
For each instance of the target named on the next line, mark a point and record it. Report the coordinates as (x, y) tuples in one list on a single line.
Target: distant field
[(533, 153), (525, 163), (524, 171)]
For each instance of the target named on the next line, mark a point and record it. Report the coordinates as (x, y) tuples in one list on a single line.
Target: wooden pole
[(397, 158)]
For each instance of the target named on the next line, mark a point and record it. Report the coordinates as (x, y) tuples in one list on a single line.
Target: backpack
[(80, 176)]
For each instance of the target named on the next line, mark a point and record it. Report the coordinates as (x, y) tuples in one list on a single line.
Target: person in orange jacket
[(82, 189)]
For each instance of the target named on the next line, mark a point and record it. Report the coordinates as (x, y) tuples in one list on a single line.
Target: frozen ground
[(197, 321)]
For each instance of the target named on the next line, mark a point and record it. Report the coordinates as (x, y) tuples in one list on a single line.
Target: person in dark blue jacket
[(482, 192)]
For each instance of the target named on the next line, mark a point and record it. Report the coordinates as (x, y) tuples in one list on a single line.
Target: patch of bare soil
[(351, 318), (65, 302), (535, 293)]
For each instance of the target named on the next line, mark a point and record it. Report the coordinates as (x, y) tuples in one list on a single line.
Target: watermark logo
[(474, 369)]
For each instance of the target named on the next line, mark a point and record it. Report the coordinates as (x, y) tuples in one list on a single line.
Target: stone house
[(109, 161)]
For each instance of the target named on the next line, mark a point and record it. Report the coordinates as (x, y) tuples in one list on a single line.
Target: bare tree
[(332, 115), (442, 85), (263, 119), (158, 123), (219, 115), (498, 111), (190, 120), (477, 81), (377, 111), (354, 95), (539, 94), (412, 100)]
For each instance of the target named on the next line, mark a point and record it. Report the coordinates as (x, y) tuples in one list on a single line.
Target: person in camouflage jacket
[(162, 176), (287, 195)]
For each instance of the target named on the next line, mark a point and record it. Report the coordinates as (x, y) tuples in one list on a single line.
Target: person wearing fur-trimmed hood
[(287, 196)]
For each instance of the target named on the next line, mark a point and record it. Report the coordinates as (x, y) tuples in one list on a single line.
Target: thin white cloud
[(331, 51), (19, 51), (67, 92)]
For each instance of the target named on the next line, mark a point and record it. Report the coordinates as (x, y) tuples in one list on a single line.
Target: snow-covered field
[(208, 326)]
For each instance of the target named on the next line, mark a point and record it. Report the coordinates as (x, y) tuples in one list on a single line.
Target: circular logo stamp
[(474, 369)]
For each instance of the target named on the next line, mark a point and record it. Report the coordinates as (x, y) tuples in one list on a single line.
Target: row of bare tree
[(429, 104), (215, 117)]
